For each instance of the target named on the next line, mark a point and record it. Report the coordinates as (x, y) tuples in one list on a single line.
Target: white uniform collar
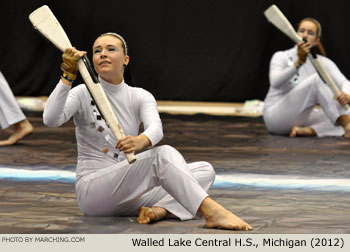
[(112, 87)]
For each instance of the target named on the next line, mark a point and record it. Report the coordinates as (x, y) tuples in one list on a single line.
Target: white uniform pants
[(297, 109), (159, 177), (10, 112)]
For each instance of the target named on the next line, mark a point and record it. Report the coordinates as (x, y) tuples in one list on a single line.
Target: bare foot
[(302, 131), (216, 216), (347, 132), (151, 214), (344, 120), (22, 129)]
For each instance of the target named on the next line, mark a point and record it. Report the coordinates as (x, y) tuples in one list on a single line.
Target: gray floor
[(234, 145)]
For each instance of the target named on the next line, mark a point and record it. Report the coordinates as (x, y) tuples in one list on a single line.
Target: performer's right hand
[(303, 49), (130, 144), (70, 58)]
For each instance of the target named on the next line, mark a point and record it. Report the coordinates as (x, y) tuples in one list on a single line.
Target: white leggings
[(159, 177), (10, 112), (296, 108)]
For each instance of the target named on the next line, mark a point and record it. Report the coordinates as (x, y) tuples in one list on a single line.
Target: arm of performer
[(62, 104), (280, 71), (339, 78), (153, 131)]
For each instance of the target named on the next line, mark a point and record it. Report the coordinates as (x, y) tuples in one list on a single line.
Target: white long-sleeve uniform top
[(130, 104), (284, 76), (289, 101)]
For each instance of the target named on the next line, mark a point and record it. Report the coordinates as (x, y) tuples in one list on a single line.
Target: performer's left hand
[(343, 98), (129, 144)]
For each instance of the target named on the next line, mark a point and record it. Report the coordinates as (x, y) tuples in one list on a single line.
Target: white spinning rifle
[(46, 23), (276, 17)]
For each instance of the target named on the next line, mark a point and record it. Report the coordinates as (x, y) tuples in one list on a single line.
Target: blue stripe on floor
[(222, 181), (36, 175), (280, 182)]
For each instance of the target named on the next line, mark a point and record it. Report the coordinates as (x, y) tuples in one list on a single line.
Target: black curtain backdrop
[(199, 50)]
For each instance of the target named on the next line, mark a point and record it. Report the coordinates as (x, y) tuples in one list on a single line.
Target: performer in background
[(295, 89), (160, 183), (12, 115)]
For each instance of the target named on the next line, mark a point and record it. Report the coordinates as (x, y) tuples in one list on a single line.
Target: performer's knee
[(165, 151), (210, 172), (317, 82), (312, 81)]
